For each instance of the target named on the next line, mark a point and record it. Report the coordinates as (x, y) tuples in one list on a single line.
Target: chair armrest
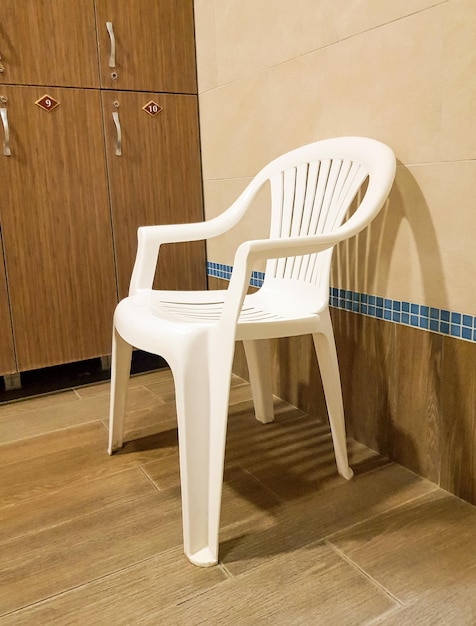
[(259, 249), (251, 251), (150, 238)]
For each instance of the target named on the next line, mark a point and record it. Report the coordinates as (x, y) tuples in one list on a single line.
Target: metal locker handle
[(6, 130), (115, 117), (112, 53)]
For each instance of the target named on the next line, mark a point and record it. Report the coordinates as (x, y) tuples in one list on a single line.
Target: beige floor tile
[(86, 538), (51, 561), (455, 605), (294, 455), (126, 597), (96, 389), (37, 471), (76, 500), (35, 403), (38, 418), (49, 443), (421, 547), (312, 518), (148, 419), (315, 587), (243, 497)]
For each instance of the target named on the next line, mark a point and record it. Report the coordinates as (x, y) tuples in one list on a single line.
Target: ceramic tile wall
[(273, 75)]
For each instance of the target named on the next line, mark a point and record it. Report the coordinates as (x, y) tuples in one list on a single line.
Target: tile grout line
[(390, 613), (357, 567), (85, 584), (382, 513)]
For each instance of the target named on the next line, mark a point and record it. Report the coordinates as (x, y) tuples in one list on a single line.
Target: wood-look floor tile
[(292, 456), (242, 498), (456, 605), (419, 547), (35, 403), (83, 457), (142, 421), (28, 449), (162, 384), (95, 389), (42, 564), (126, 597), (164, 389), (311, 518), (146, 420), (165, 472), (136, 380), (80, 498), (36, 421), (315, 587), (149, 378)]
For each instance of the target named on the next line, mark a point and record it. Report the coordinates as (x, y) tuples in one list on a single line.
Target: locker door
[(56, 227), (153, 41), (155, 180), (48, 43), (7, 352)]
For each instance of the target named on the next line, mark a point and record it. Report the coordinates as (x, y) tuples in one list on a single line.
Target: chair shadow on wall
[(391, 373), (394, 396), (369, 361)]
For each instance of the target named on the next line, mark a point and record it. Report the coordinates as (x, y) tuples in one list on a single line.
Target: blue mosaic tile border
[(442, 321), (421, 316), (218, 270)]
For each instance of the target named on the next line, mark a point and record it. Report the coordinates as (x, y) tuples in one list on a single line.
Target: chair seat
[(162, 312)]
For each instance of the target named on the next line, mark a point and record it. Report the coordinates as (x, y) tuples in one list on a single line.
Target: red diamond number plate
[(47, 103), (152, 108)]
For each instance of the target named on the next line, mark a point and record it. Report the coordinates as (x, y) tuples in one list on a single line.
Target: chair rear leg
[(120, 372), (202, 385), (258, 358), (324, 344)]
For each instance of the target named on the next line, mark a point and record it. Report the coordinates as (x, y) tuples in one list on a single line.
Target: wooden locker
[(45, 42), (154, 45), (7, 350), (155, 180), (56, 227), (64, 263)]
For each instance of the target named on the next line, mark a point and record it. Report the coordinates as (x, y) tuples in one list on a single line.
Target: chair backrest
[(313, 189)]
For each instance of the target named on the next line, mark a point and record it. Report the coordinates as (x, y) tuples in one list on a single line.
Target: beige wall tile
[(219, 195), (420, 248), (385, 84), (438, 204), (234, 123), (253, 35), (458, 72), (361, 15), (205, 38), (402, 72)]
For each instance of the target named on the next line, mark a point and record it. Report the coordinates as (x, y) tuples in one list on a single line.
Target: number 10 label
[(152, 108)]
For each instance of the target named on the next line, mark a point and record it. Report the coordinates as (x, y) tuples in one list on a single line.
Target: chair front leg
[(120, 372), (202, 382)]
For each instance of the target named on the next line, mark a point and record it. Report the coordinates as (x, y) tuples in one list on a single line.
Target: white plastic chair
[(312, 189)]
